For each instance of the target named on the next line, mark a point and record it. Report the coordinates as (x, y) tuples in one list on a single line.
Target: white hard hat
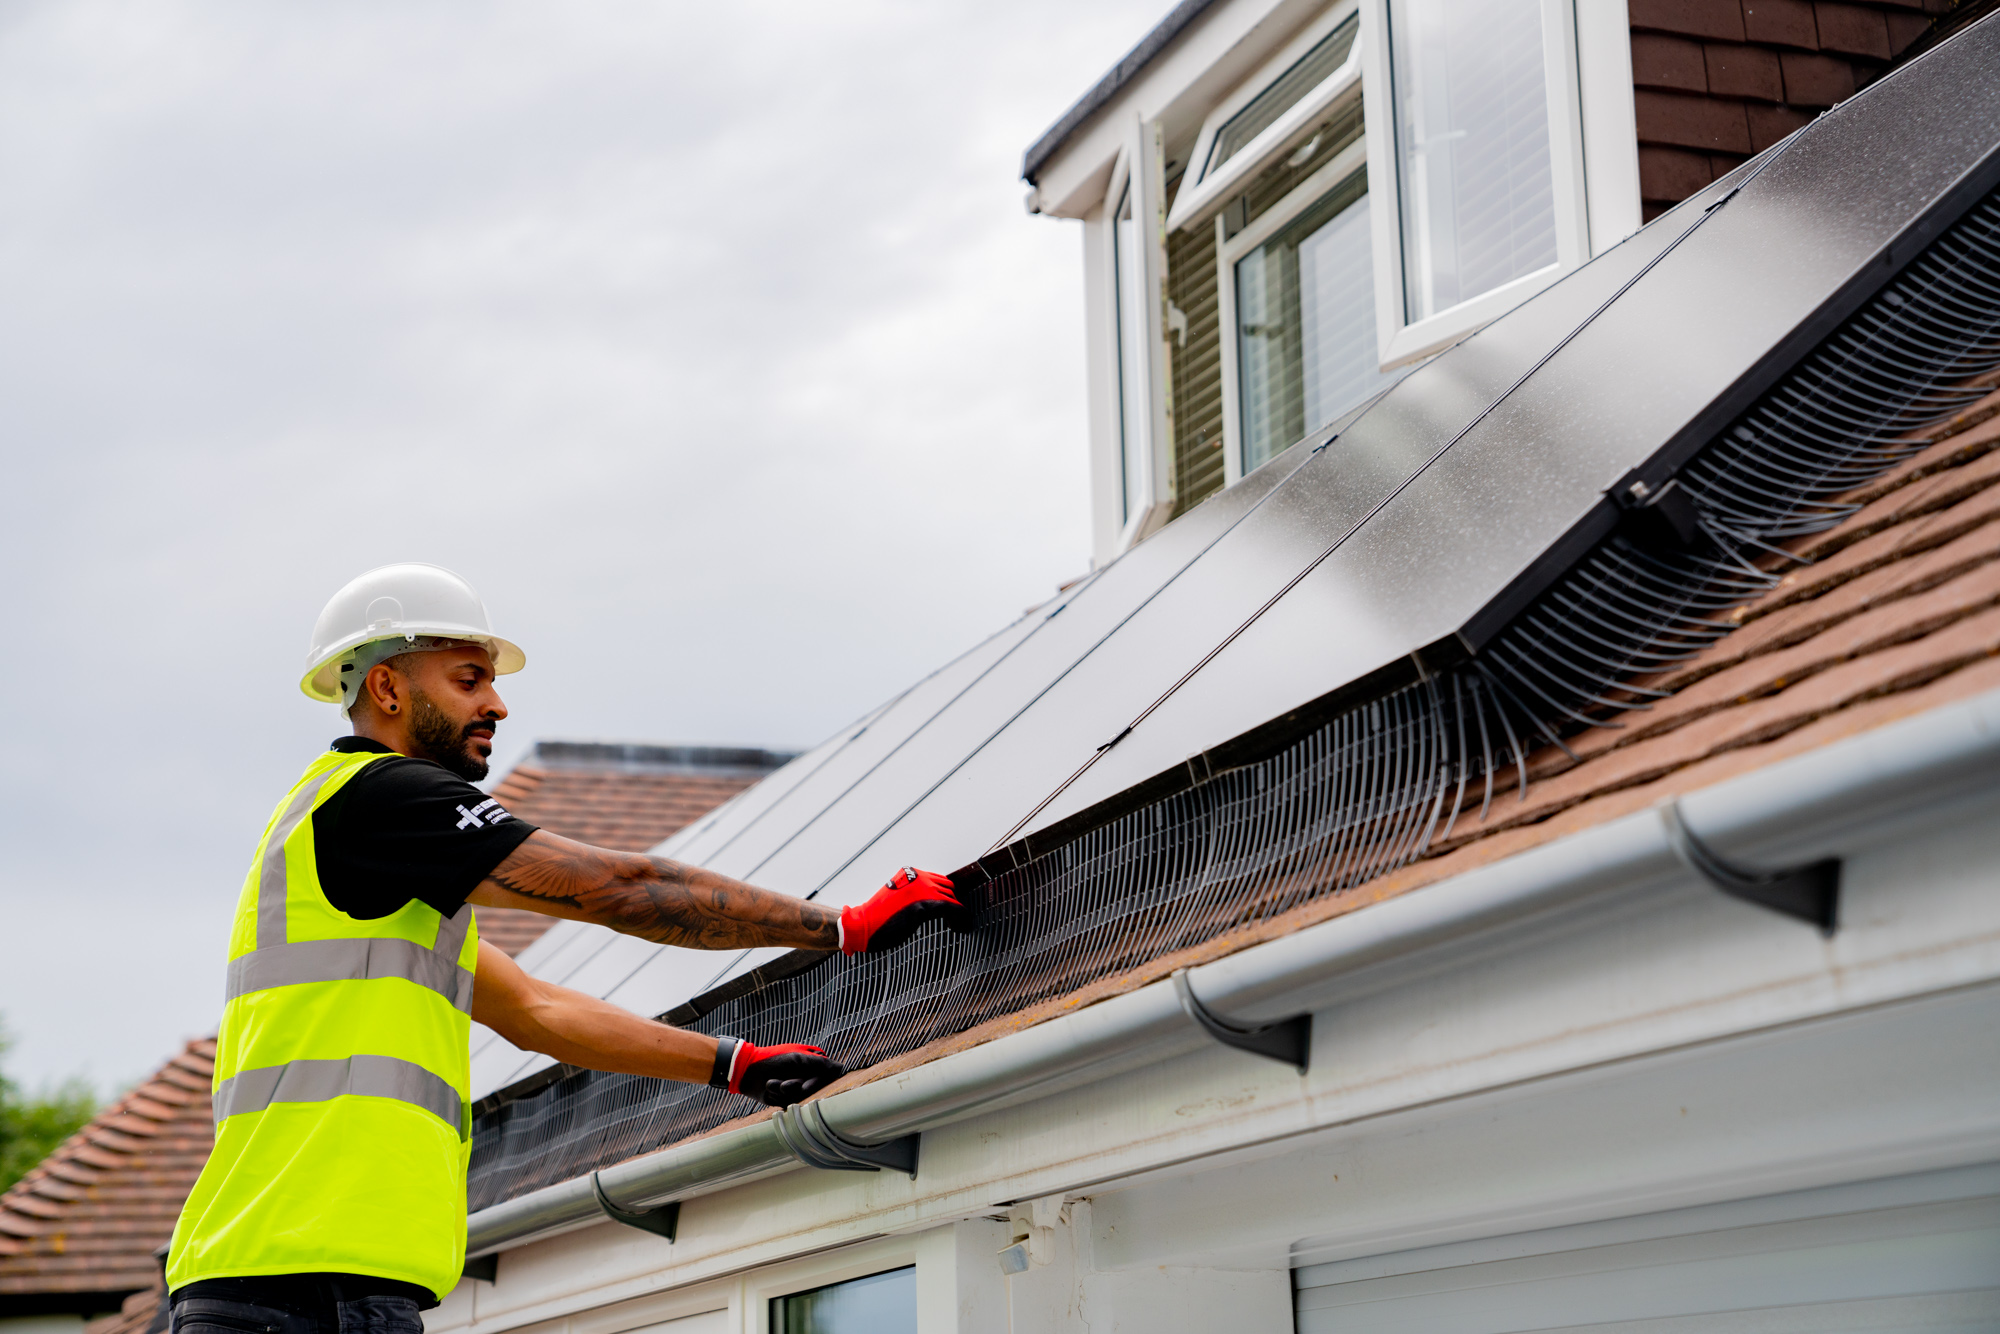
[(404, 602)]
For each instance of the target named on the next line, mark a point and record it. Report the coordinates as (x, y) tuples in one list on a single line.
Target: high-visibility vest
[(342, 1078)]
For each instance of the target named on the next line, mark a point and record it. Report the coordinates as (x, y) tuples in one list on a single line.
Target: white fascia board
[(1216, 52)]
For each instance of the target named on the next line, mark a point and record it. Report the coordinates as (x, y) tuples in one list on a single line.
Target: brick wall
[(1718, 80)]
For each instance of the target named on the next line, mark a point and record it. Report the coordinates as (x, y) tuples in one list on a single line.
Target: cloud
[(712, 343)]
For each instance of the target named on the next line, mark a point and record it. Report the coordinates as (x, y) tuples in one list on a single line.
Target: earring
[(392, 708)]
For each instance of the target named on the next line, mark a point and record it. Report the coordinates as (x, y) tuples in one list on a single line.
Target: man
[(334, 1200)]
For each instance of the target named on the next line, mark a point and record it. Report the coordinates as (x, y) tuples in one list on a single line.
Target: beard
[(440, 740)]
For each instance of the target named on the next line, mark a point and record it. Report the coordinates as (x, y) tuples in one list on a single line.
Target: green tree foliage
[(33, 1124)]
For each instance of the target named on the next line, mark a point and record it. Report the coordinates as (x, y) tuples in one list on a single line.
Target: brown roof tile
[(141, 1312), (1741, 71), (81, 1228), (1727, 78), (1721, 19), (1906, 593), (1781, 23)]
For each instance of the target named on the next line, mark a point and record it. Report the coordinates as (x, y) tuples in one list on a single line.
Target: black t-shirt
[(406, 829)]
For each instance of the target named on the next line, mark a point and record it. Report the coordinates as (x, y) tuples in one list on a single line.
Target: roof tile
[(1854, 29), (1743, 71), (86, 1220), (1891, 544), (1688, 121), (1758, 674), (1781, 23), (1660, 61), (1721, 19), (1815, 80)]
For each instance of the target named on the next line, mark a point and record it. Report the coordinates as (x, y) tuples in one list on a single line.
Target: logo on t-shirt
[(487, 812)]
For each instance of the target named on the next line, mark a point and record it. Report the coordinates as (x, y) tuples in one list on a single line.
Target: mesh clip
[(662, 1220), (1285, 1040), (1810, 893), (806, 1134)]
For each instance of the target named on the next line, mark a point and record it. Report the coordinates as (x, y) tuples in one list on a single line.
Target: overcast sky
[(712, 343)]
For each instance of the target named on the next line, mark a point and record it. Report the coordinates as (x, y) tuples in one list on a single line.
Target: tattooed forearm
[(653, 898)]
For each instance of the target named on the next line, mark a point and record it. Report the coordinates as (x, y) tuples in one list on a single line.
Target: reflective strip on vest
[(271, 876), (322, 1081), (359, 959), (277, 962)]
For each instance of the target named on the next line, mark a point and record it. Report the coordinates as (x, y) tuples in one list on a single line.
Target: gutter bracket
[(662, 1221), (805, 1131), (1285, 1040), (1810, 893)]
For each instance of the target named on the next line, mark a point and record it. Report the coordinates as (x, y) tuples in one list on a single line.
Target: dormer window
[(1306, 200)]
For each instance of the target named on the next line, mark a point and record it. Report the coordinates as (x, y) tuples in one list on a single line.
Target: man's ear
[(385, 688)]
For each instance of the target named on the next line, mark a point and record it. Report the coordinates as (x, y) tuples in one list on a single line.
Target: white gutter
[(1834, 801)]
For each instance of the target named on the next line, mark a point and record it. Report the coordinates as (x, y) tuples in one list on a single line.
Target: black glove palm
[(775, 1076)]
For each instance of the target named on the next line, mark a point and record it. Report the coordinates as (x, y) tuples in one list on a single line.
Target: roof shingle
[(79, 1231)]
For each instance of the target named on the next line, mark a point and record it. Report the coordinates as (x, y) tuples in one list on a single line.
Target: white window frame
[(1400, 339), (1205, 197), (1230, 249), (1141, 165), (766, 1286), (1595, 176)]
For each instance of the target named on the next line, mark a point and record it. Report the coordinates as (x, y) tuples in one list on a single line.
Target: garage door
[(1913, 1253)]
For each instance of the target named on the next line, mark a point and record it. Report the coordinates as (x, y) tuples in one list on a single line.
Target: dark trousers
[(299, 1304)]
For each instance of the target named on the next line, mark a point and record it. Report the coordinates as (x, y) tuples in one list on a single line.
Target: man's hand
[(652, 898), (775, 1076), (894, 912)]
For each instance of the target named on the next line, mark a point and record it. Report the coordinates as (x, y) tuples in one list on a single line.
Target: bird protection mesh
[(1374, 788)]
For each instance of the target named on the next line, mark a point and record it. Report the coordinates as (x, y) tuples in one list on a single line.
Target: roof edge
[(644, 756), (1108, 87)]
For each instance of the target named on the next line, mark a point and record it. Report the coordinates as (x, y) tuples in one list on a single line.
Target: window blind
[(1473, 150)]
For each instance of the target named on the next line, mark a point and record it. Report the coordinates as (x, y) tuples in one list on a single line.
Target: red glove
[(894, 912), (775, 1076)]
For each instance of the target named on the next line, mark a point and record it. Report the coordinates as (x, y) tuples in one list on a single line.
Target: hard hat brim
[(322, 682)]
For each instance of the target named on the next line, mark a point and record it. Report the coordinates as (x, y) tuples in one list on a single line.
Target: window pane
[(1472, 138), (1129, 276), (878, 1304), (1284, 93), (1305, 315)]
